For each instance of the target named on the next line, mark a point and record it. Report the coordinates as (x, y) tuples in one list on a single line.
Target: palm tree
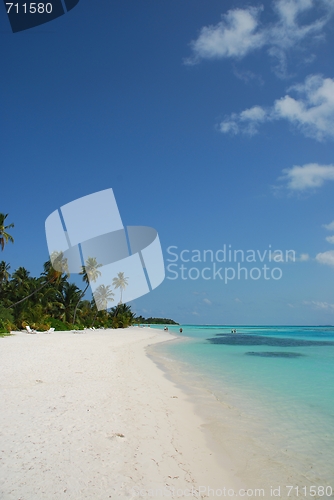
[(4, 236), (4, 279), (20, 286), (120, 282), (67, 298), (51, 274), (89, 273), (87, 312), (123, 309), (122, 316), (4, 272), (57, 265), (21, 282), (102, 296)]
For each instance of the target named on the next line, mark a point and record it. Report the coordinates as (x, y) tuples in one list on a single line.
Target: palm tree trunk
[(95, 317), (31, 294), (76, 307)]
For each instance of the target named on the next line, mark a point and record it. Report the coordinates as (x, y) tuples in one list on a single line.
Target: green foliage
[(4, 236), (77, 327), (51, 301), (34, 316), (121, 321), (121, 316), (3, 328), (154, 321), (5, 314), (4, 333), (58, 325), (6, 320)]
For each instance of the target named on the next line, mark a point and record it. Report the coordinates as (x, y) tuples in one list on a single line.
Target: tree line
[(51, 301)]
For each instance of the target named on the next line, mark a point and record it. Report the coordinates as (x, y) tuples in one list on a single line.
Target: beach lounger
[(51, 330), (29, 330)]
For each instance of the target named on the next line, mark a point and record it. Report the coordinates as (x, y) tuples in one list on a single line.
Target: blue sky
[(213, 122)]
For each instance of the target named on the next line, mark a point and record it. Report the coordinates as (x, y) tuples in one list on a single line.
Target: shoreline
[(92, 416), (245, 431)]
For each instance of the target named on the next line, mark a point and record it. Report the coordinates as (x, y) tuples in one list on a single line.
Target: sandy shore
[(90, 416)]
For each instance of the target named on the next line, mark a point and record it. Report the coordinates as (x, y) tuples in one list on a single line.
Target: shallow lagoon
[(279, 384)]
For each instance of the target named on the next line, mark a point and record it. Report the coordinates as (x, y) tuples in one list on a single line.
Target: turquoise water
[(279, 382)]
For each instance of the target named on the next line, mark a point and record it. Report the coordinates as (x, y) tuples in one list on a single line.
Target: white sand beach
[(90, 416)]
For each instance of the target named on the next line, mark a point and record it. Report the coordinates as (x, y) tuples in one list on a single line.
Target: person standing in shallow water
[(181, 330)]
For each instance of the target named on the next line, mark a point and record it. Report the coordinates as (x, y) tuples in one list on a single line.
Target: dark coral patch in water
[(242, 339), (271, 354)]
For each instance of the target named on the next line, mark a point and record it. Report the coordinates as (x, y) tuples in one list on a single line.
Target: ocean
[(266, 394)]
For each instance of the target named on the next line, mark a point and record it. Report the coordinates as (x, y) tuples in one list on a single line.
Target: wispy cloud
[(330, 239), (326, 258), (288, 32), (320, 305), (246, 122), (240, 31), (248, 76), (304, 257), (307, 177), (207, 301), (312, 113)]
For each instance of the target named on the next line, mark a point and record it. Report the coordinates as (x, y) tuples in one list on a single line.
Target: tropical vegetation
[(4, 236), (52, 301), (154, 321)]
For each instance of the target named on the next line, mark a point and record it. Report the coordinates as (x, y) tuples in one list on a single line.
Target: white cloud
[(330, 226), (234, 36), (240, 31), (246, 122), (288, 31), (308, 176), (312, 113), (326, 258), (290, 257), (304, 257), (288, 10), (256, 113), (207, 301)]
